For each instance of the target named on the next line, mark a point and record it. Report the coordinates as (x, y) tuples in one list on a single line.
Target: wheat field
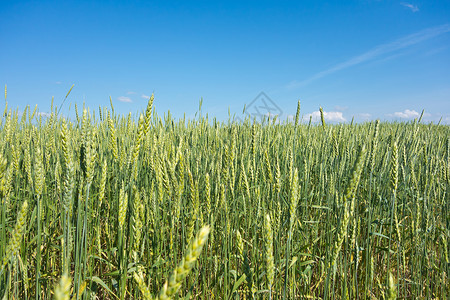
[(108, 206)]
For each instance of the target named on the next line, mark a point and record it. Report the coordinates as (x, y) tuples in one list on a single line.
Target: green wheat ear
[(142, 287), (391, 288), (13, 247), (171, 287), (297, 114), (268, 239), (322, 118), (62, 291)]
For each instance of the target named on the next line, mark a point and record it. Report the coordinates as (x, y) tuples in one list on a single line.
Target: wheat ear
[(62, 291), (187, 263)]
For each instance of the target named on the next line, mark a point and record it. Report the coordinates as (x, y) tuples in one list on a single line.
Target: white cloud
[(376, 52), (124, 99), (58, 82), (407, 114), (131, 93), (412, 7), (43, 114), (145, 96), (331, 116)]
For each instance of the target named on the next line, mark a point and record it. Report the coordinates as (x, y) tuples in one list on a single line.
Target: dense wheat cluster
[(108, 206)]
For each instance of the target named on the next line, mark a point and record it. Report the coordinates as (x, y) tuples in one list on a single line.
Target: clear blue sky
[(367, 59)]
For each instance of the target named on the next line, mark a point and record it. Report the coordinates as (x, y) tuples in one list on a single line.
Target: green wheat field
[(107, 206)]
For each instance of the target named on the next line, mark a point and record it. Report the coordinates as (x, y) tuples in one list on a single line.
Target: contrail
[(401, 43)]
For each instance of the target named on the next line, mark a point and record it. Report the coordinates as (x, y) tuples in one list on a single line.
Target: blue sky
[(363, 59)]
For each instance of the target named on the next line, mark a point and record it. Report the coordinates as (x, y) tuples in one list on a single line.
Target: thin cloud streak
[(399, 44), (124, 99), (436, 51), (413, 8)]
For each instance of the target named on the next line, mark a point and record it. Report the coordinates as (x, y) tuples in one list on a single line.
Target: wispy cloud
[(436, 51), (131, 93), (412, 7), (331, 116), (145, 96), (124, 99), (58, 82), (376, 52)]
